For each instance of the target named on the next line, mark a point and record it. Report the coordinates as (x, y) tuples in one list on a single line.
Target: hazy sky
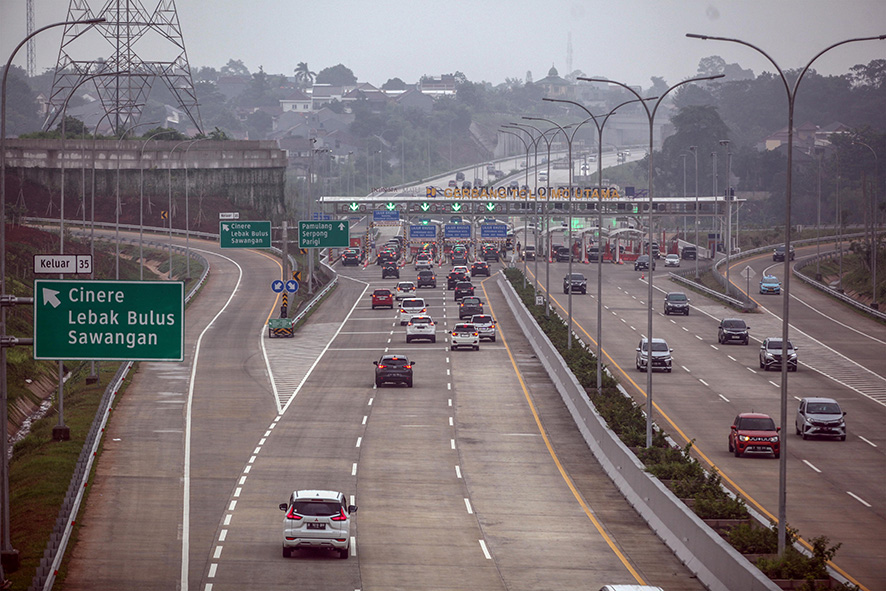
[(490, 40)]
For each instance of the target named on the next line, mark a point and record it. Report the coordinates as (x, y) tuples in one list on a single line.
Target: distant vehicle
[(733, 329), (317, 519), (395, 369), (350, 258), (463, 289), (770, 284), (661, 355), (426, 278), (642, 262), (485, 325), (390, 269), (689, 253), (469, 306), (404, 289), (453, 183), (421, 327), (528, 253), (464, 335), (593, 254), (754, 433), (466, 185), (778, 253), (560, 254), (542, 176), (381, 298), (411, 307), (770, 354), (676, 302), (459, 176), (672, 260), (575, 282), (480, 268)]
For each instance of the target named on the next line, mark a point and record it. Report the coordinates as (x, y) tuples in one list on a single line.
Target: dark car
[(350, 258), (575, 282), (463, 289), (593, 254), (490, 252), (528, 253), (381, 298), (426, 278), (454, 278), (642, 262), (689, 253), (390, 269), (459, 258), (676, 302), (561, 254), (754, 433), (480, 268), (733, 329), (778, 253), (396, 369), (469, 306)]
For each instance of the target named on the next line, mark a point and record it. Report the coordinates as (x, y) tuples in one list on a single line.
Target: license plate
[(759, 448), (316, 526)]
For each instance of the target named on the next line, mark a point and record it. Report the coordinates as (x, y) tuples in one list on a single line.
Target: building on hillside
[(554, 86), (445, 85), (296, 101), (414, 98), (807, 137), (375, 98)]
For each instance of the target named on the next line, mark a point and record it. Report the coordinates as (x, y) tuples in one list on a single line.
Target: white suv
[(421, 327), (411, 307), (464, 335), (317, 519), (485, 326)]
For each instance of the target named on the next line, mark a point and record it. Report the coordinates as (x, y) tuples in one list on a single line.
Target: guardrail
[(716, 564), (828, 290)]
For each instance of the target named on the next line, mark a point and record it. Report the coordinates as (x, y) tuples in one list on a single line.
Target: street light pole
[(694, 150), (728, 210), (874, 242), (650, 115), (141, 208), (791, 95), (526, 146)]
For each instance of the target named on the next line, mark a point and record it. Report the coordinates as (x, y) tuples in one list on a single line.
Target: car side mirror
[(734, 428), (283, 506), (844, 413), (777, 429), (796, 349), (670, 350), (412, 362), (352, 508), (637, 349), (375, 363), (747, 328)]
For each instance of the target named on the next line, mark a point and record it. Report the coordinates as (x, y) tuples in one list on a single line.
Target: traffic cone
[(642, 275)]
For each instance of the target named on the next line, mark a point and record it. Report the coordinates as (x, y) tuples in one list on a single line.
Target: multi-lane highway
[(475, 478), (834, 488)]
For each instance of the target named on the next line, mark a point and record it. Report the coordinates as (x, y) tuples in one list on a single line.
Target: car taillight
[(409, 324), (475, 334), (408, 366), (423, 310), (402, 311), (341, 515), (382, 366), (293, 515)]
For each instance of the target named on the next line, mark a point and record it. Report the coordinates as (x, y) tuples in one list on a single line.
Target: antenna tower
[(142, 44), (569, 69), (31, 47)]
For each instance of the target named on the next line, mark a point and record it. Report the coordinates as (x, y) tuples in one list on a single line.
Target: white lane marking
[(268, 432), (703, 382), (450, 402), (452, 443), (672, 321), (256, 450), (632, 328), (623, 320), (750, 369), (686, 368), (186, 472), (698, 337), (242, 480), (458, 472), (208, 587), (359, 441), (228, 519), (450, 422), (353, 541), (449, 385), (232, 505), (684, 328), (237, 491), (370, 402), (858, 498), (262, 441), (468, 506), (365, 419), (354, 469), (217, 553), (731, 357), (352, 502), (223, 534), (811, 466), (869, 442), (723, 397), (447, 360), (837, 321), (485, 551), (774, 384), (448, 371), (212, 570), (247, 469)]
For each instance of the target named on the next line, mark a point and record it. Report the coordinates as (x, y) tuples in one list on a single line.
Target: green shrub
[(795, 565), (711, 505), (751, 539)]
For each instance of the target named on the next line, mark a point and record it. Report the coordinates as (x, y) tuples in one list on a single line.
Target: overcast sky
[(490, 40)]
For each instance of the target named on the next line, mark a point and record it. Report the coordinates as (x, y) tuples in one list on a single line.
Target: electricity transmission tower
[(142, 45), (32, 48)]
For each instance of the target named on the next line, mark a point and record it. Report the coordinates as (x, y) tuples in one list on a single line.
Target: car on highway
[(676, 302), (460, 269), (575, 282), (661, 355), (770, 354), (528, 253), (593, 253), (770, 284), (390, 269), (672, 260), (404, 289), (423, 261), (754, 433), (454, 278), (464, 335), (480, 268), (778, 253), (560, 254), (820, 416), (469, 306), (689, 253), (421, 327), (463, 289), (426, 278), (642, 262), (393, 369), (732, 329), (317, 519), (382, 298), (412, 307), (350, 258), (485, 326), (459, 258), (490, 252)]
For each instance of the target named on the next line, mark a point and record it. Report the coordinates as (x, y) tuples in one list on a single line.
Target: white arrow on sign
[(341, 227), (225, 227), (49, 297)]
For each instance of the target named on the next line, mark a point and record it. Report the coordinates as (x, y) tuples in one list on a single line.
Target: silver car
[(412, 307), (317, 519), (661, 355), (485, 326), (820, 416), (464, 335), (421, 327)]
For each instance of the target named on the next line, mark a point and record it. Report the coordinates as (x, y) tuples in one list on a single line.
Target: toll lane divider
[(716, 564)]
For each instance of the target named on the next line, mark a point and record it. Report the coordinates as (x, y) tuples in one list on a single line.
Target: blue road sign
[(456, 231), (384, 215), (292, 286), (277, 286), (422, 232), (493, 231)]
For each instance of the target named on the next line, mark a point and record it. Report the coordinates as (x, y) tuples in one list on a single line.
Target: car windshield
[(643, 257), (770, 279), (421, 321), (381, 293), (756, 424), (677, 297), (465, 328), (733, 324), (481, 319), (776, 344), (656, 346), (413, 303), (823, 408), (394, 361), (316, 508), (577, 276)]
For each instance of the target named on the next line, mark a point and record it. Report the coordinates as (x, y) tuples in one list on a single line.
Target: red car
[(754, 433), (382, 298)]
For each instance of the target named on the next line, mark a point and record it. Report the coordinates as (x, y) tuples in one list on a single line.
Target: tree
[(658, 88), (234, 68), (22, 110), (338, 75), (394, 84), (259, 124), (304, 77)]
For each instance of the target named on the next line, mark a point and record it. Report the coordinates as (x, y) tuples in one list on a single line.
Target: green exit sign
[(244, 234), (324, 234), (113, 320)]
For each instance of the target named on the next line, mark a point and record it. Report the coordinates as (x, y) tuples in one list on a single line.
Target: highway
[(476, 478), (834, 488)]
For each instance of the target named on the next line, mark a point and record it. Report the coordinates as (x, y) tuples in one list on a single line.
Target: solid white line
[(858, 498), (811, 466), (871, 443), (485, 551), (468, 506), (186, 472)]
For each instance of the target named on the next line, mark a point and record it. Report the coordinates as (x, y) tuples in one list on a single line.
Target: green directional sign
[(354, 206), (456, 207), (391, 206), (490, 206), (425, 206), (324, 234), (244, 234), (113, 320)]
